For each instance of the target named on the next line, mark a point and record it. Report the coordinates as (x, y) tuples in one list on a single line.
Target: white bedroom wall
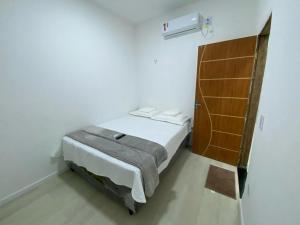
[(63, 64), (272, 189), (171, 81)]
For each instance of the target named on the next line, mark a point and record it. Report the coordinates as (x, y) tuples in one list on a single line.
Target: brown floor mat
[(221, 181)]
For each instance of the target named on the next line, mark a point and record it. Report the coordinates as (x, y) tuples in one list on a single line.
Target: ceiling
[(137, 11)]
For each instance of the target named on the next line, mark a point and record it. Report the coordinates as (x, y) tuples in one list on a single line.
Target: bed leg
[(187, 141), (129, 203), (130, 212), (70, 165)]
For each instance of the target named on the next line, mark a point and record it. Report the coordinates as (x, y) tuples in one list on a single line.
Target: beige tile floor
[(181, 198)]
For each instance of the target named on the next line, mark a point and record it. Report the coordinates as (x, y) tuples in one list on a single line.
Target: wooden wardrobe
[(223, 89)]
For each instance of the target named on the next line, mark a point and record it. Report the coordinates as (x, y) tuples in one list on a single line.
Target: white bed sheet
[(166, 134)]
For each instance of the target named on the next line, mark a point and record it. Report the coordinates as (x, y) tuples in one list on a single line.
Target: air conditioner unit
[(182, 25)]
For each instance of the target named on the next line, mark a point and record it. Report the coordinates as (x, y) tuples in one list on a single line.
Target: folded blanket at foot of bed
[(144, 154)]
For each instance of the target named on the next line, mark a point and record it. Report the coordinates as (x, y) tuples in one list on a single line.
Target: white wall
[(274, 174), (171, 82), (63, 64)]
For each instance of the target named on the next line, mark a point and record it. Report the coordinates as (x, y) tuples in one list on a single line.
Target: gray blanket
[(144, 154)]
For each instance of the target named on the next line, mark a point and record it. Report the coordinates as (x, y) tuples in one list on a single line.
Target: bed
[(120, 173)]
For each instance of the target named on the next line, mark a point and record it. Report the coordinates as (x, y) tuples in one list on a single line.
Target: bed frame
[(107, 186), (116, 191)]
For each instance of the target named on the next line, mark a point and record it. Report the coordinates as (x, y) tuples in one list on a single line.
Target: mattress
[(166, 134)]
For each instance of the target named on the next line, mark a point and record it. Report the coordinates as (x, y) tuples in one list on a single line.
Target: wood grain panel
[(226, 88), (228, 124), (227, 106), (231, 49), (234, 68), (201, 132), (224, 77), (228, 141), (222, 155)]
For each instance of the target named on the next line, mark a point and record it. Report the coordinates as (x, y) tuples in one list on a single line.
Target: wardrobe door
[(224, 79)]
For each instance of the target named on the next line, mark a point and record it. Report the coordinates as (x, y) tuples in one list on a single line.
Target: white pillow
[(144, 114), (147, 109), (180, 119), (171, 112)]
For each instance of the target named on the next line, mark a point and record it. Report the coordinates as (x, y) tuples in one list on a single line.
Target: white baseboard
[(29, 187), (241, 212)]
